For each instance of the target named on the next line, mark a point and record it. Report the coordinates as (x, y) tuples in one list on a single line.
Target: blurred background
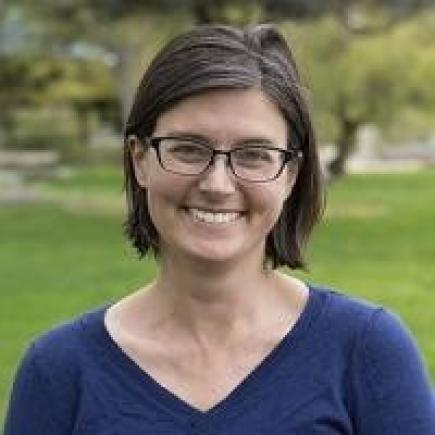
[(68, 72)]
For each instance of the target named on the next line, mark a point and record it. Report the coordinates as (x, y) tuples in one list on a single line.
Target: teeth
[(213, 218)]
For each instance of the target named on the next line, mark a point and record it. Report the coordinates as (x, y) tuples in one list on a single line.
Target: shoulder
[(339, 303), (380, 331), (359, 330), (387, 352), (383, 367), (63, 350), (343, 315), (48, 384), (373, 326), (388, 383)]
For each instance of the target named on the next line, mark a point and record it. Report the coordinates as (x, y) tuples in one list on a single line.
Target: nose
[(218, 178)]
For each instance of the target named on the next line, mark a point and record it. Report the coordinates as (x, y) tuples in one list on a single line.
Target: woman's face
[(215, 216)]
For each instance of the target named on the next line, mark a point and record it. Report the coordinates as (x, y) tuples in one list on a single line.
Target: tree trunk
[(345, 146), (83, 127), (7, 126), (201, 12)]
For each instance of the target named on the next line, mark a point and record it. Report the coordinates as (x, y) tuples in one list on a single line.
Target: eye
[(186, 150), (254, 155)]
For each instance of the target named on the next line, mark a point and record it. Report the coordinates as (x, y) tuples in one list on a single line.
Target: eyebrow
[(254, 140)]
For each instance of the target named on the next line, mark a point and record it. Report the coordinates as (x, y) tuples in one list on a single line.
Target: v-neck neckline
[(95, 325)]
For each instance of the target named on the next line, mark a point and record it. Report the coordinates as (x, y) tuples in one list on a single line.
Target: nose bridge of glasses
[(225, 157), (220, 165)]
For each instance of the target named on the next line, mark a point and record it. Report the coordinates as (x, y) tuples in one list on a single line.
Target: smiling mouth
[(209, 217)]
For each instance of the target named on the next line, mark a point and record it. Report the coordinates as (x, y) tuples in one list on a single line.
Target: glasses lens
[(184, 156), (257, 163)]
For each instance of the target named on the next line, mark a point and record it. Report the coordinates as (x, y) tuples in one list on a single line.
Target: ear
[(139, 158)]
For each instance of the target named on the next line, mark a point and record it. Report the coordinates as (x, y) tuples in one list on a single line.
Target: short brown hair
[(213, 57)]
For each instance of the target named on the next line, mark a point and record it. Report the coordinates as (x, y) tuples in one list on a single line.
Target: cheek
[(273, 195), (164, 194), (268, 202)]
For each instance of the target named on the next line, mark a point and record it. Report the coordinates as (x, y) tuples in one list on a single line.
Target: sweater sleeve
[(392, 389), (36, 405)]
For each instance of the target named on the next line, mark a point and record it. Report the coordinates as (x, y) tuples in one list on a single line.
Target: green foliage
[(366, 78), (48, 80), (47, 128), (410, 124), (364, 61), (76, 81), (416, 40)]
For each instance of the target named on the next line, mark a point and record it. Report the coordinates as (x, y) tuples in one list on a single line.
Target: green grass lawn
[(68, 255)]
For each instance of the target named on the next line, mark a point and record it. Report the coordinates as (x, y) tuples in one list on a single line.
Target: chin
[(220, 251), (214, 254)]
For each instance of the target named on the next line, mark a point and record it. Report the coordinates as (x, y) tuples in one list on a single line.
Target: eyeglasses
[(255, 163)]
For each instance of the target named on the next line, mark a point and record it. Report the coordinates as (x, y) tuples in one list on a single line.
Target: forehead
[(225, 115)]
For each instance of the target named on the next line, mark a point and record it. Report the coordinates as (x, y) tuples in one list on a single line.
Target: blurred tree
[(46, 81), (368, 79), (49, 56), (236, 12), (14, 84), (354, 81), (121, 29), (85, 86), (365, 79)]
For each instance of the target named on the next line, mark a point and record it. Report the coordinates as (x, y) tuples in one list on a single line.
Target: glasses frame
[(290, 155)]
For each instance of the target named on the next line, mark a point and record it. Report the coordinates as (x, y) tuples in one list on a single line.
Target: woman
[(223, 186)]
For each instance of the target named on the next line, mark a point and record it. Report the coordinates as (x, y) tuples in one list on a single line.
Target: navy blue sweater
[(346, 367)]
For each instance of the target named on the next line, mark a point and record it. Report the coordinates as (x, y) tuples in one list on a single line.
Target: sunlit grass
[(62, 257)]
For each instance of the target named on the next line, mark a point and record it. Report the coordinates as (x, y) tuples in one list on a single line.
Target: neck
[(213, 302)]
